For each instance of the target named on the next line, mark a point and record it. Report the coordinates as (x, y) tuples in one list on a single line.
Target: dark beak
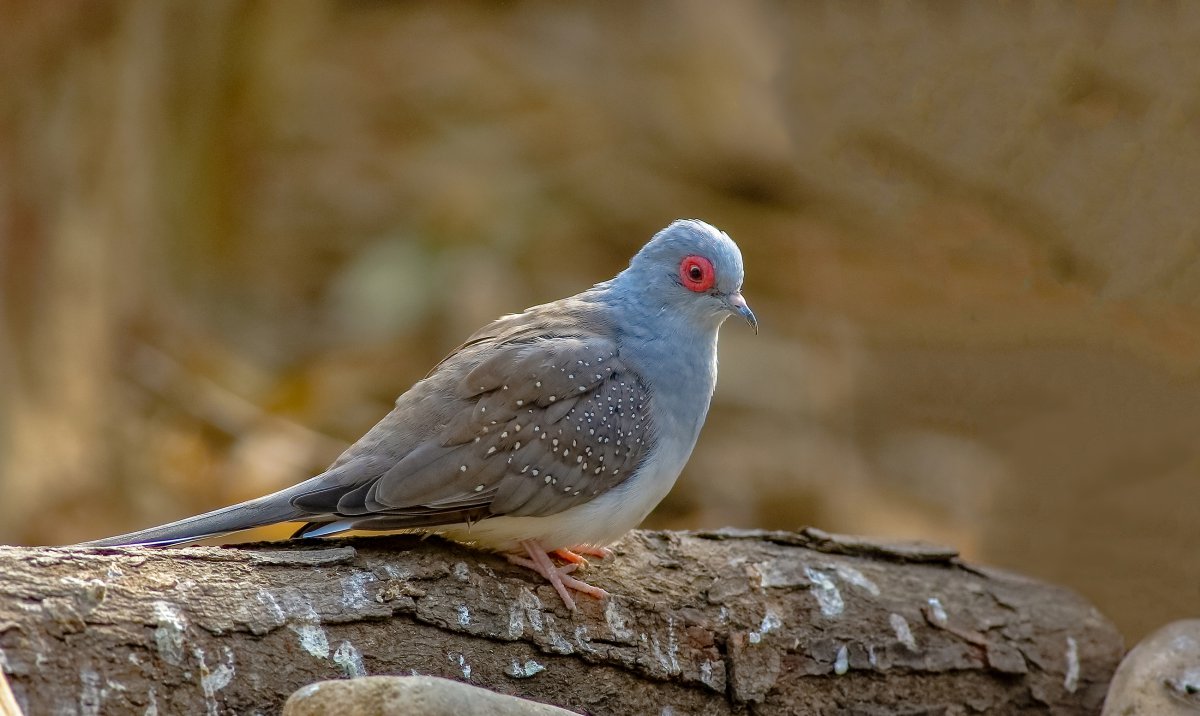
[(738, 305)]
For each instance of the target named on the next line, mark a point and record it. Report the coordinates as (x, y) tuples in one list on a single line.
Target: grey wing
[(546, 425)]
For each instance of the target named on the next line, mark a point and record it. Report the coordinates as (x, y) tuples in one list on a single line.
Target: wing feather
[(545, 425)]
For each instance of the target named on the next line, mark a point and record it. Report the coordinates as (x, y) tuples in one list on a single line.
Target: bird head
[(693, 269)]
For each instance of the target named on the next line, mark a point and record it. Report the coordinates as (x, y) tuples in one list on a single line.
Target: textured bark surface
[(700, 623)]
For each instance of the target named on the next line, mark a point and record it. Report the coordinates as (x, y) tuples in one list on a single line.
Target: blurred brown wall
[(231, 232)]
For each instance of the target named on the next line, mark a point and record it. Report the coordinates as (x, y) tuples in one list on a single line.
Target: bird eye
[(696, 273)]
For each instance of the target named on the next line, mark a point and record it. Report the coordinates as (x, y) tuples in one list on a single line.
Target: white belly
[(599, 522)]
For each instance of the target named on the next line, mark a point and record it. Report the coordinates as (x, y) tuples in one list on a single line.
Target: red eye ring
[(696, 273)]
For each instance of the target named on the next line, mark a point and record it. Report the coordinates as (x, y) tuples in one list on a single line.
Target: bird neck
[(673, 352)]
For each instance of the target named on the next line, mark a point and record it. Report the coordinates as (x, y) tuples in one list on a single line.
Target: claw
[(558, 576)]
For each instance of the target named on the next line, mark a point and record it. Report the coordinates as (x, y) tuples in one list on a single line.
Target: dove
[(547, 434)]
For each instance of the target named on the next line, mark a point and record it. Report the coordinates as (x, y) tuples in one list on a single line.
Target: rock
[(412, 695), (1160, 676)]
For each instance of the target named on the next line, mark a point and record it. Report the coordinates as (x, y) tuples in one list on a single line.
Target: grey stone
[(1160, 676), (409, 695)]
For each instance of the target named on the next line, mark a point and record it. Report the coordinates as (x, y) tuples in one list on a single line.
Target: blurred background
[(232, 232)]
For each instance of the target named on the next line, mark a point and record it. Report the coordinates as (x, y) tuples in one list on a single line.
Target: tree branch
[(706, 622)]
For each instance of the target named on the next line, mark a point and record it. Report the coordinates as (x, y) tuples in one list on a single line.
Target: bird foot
[(558, 576), (575, 554)]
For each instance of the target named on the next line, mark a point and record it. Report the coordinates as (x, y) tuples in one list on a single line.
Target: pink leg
[(567, 555), (539, 561), (589, 550), (575, 554)]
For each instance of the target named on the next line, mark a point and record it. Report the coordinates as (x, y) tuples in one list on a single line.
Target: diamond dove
[(549, 432)]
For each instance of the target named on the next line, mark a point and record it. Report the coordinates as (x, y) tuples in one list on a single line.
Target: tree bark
[(699, 623)]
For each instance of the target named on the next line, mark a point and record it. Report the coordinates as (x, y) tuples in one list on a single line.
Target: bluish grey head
[(692, 268)]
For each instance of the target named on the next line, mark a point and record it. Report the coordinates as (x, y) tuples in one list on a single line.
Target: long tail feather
[(263, 511)]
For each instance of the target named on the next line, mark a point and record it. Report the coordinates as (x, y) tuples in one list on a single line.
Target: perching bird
[(548, 431)]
